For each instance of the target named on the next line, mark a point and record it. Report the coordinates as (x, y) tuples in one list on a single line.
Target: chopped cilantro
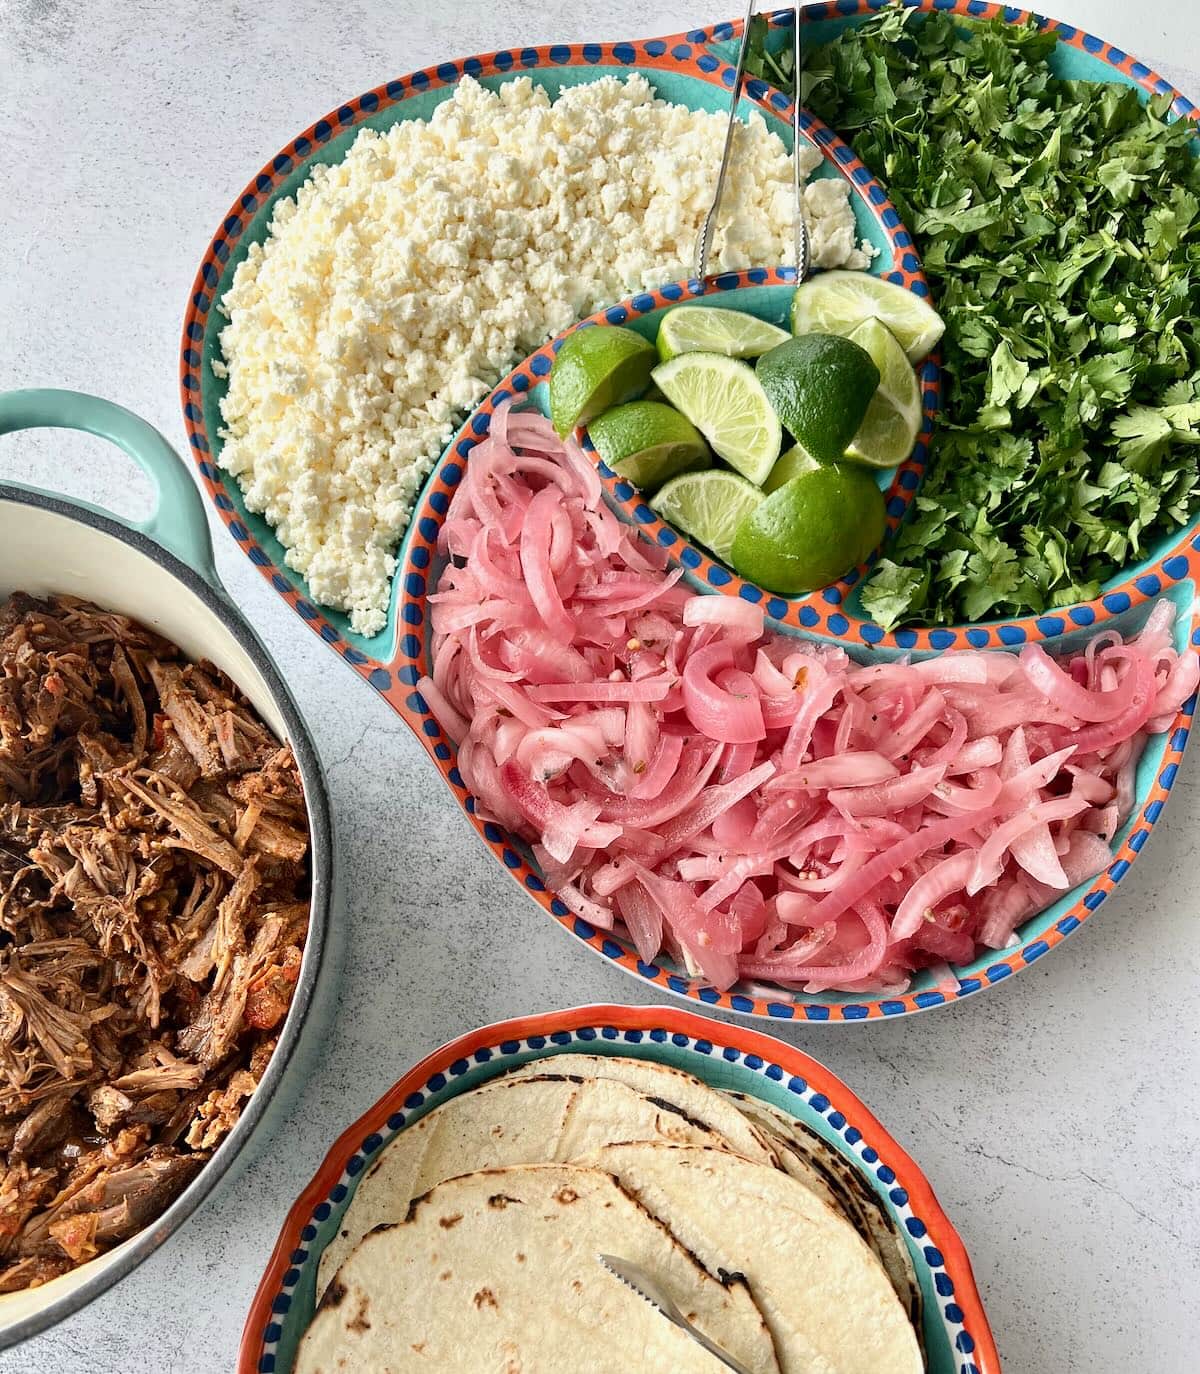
[(1059, 224), (773, 68)]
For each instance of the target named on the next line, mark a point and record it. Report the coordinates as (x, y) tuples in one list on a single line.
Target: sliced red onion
[(1049, 679), (562, 827), (631, 595), (720, 715), (1003, 908), (851, 769), (713, 802), (1156, 635), (899, 743), (956, 945), (818, 698), (1086, 858), (762, 805), (648, 689), (731, 613), (888, 797), (453, 725), (687, 918), (643, 920), (654, 779), (863, 965), (736, 760), (932, 888), (750, 911), (1180, 684), (988, 859), (732, 829), (538, 657), (575, 901), (543, 754)]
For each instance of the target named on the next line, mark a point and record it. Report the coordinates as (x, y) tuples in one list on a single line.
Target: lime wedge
[(811, 531), (795, 461), (725, 401), (838, 302), (648, 442), (597, 367), (820, 386), (708, 329), (708, 506), (893, 419)]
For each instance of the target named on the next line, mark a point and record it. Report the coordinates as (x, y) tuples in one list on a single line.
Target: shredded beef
[(154, 901)]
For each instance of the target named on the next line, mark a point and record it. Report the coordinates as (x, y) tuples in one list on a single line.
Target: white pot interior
[(42, 551)]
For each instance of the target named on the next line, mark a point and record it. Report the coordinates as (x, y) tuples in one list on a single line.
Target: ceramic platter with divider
[(692, 69)]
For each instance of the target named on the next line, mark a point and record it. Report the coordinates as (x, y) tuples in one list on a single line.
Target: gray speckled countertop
[(1056, 1116)]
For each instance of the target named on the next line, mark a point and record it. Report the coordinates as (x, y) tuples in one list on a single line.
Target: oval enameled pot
[(161, 573)]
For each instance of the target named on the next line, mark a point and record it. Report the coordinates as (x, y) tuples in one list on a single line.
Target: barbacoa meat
[(154, 901)]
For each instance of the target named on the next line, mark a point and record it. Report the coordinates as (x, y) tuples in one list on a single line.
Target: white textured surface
[(1055, 1116)]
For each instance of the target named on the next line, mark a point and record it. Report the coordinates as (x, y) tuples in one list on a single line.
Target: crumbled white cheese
[(403, 282)]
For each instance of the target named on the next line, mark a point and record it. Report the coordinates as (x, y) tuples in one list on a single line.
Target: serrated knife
[(647, 1288)]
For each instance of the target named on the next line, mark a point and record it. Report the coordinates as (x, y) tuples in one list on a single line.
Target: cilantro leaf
[(894, 594), (1059, 226)]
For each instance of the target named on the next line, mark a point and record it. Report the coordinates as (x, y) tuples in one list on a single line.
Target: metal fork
[(800, 229)]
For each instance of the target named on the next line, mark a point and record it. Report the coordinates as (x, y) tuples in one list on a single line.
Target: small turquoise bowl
[(955, 1329)]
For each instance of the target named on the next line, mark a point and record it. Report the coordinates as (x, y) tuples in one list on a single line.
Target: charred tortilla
[(497, 1272), (822, 1292), (512, 1121)]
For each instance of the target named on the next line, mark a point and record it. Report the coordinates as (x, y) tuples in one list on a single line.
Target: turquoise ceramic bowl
[(955, 1330)]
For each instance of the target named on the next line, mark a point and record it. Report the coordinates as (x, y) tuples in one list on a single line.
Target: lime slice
[(724, 400), (820, 386), (838, 302), (648, 442), (596, 368), (709, 506), (811, 531), (708, 329), (795, 461), (893, 419)]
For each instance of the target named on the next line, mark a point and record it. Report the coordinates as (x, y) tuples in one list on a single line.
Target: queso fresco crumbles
[(401, 284)]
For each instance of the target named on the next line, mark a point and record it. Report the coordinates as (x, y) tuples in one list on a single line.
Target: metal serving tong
[(635, 1277), (708, 229)]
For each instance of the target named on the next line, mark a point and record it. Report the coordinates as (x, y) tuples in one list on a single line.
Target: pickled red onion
[(753, 805)]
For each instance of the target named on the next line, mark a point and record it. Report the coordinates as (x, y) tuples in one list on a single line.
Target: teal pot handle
[(178, 521)]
